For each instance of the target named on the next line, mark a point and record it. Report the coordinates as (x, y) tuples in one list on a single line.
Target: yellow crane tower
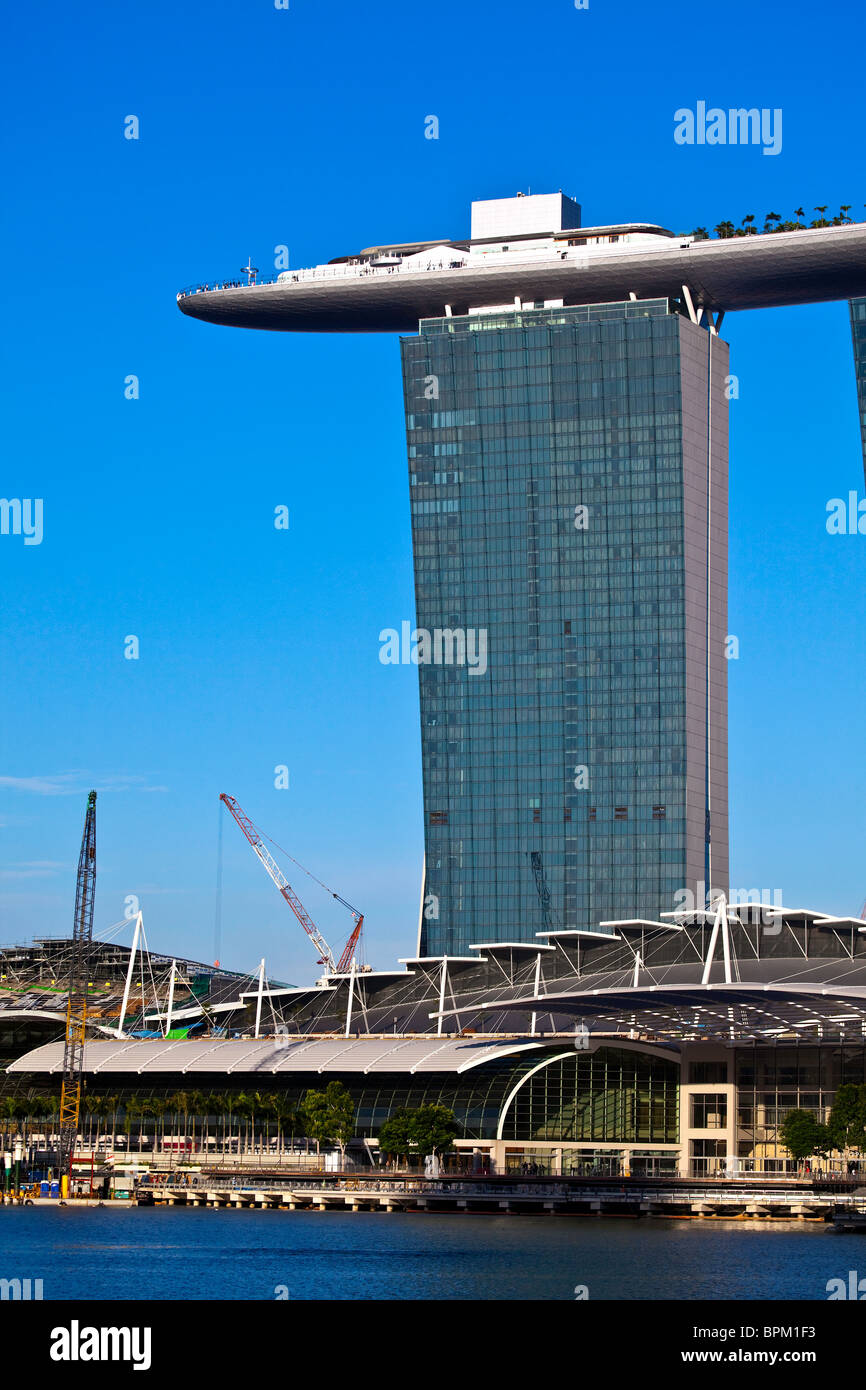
[(76, 1009)]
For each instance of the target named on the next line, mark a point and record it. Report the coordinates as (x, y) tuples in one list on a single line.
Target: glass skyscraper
[(858, 332), (568, 479)]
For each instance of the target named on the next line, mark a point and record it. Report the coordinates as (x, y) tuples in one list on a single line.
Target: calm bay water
[(162, 1253)]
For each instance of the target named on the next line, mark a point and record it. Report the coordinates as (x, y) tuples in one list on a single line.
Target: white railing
[(578, 256)]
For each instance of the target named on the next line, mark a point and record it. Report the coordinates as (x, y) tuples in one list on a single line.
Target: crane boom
[(349, 949), (279, 878), (76, 1008), (541, 888)]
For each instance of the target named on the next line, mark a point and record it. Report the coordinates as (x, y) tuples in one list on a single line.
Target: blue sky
[(261, 127)]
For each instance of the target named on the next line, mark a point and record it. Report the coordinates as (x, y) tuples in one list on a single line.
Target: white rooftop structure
[(523, 215), (210, 1056)]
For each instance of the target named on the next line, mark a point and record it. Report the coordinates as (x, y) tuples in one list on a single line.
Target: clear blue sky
[(261, 127)]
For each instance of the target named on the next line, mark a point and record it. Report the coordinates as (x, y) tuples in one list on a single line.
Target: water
[(200, 1253)]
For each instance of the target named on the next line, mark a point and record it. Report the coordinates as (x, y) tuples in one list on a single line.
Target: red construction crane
[(326, 955)]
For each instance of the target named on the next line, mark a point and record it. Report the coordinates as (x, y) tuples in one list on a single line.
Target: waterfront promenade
[(688, 1198)]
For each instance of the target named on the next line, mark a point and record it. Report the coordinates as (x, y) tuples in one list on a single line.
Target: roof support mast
[(130, 970)]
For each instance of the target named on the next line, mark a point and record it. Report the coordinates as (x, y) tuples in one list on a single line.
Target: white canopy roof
[(273, 1056)]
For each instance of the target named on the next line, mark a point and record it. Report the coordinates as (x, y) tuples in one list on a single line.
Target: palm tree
[(158, 1106), (265, 1107), (770, 219), (228, 1108), (131, 1109), (216, 1108), (198, 1103), (285, 1116), (91, 1105), (799, 213), (244, 1109), (179, 1103), (109, 1106), (821, 222), (747, 223), (141, 1108), (845, 208)]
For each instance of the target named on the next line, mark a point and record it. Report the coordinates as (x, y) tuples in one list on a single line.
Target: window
[(708, 1073), (438, 817), (620, 813), (658, 813), (709, 1111), (592, 813)]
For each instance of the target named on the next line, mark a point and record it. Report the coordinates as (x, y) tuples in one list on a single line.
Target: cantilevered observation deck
[(389, 289)]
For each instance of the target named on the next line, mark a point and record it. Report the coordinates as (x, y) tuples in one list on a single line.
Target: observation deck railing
[(579, 256)]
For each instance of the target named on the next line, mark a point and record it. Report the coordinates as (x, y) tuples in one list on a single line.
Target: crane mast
[(279, 878), (76, 1008)]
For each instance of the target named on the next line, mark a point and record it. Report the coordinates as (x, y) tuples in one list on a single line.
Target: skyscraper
[(559, 471), (858, 333), (566, 413)]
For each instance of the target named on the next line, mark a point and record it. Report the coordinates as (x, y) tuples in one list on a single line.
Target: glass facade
[(858, 332), (610, 1095), (568, 480), (773, 1081)]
